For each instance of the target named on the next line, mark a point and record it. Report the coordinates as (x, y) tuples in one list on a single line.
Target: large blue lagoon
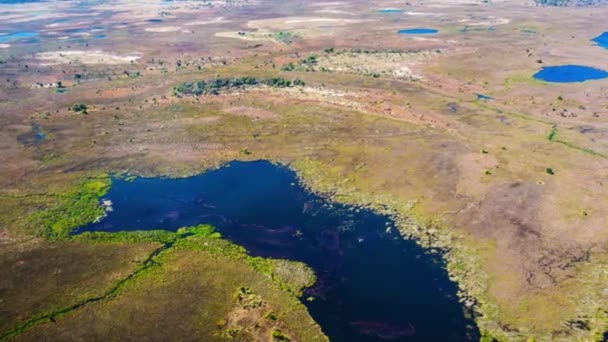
[(373, 285), (570, 73), (418, 31)]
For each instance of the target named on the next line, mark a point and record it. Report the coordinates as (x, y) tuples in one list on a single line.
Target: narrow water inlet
[(372, 284)]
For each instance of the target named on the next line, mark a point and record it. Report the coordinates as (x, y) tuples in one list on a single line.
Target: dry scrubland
[(512, 188)]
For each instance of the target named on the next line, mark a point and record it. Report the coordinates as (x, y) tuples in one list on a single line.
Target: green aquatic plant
[(75, 208)]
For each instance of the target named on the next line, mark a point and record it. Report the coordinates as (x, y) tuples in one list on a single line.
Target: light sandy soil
[(287, 23), (490, 22), (403, 65), (85, 57), (163, 29), (207, 22)]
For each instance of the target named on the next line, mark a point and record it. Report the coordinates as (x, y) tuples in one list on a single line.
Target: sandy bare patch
[(394, 64), (420, 14), (287, 23), (4, 46), (252, 36), (328, 4), (490, 22), (85, 57), (163, 29), (252, 112), (474, 167), (371, 102), (207, 22), (424, 39), (176, 152), (334, 11)]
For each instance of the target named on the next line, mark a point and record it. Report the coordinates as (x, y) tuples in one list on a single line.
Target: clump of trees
[(80, 108), (213, 87)]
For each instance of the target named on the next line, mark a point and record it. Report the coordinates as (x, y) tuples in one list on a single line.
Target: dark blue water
[(35, 137), (17, 36), (484, 97), (154, 20), (372, 284), (601, 40), (418, 31), (570, 73)]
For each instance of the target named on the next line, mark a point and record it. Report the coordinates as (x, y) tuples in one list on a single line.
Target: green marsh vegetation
[(72, 209)]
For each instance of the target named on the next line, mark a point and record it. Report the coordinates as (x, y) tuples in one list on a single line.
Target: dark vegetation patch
[(213, 87)]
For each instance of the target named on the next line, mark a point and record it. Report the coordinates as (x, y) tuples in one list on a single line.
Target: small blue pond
[(484, 97), (17, 36), (35, 137), (602, 40), (101, 36), (570, 73), (154, 20), (390, 10), (418, 31), (373, 285)]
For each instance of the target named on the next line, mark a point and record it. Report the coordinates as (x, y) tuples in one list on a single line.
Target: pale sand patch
[(322, 20), (251, 112), (85, 57), (63, 37), (328, 4), (334, 11), (178, 152), (286, 23), (207, 22), (491, 22), (420, 13), (472, 167), (4, 46), (401, 65), (251, 36), (424, 39), (368, 101), (163, 29)]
